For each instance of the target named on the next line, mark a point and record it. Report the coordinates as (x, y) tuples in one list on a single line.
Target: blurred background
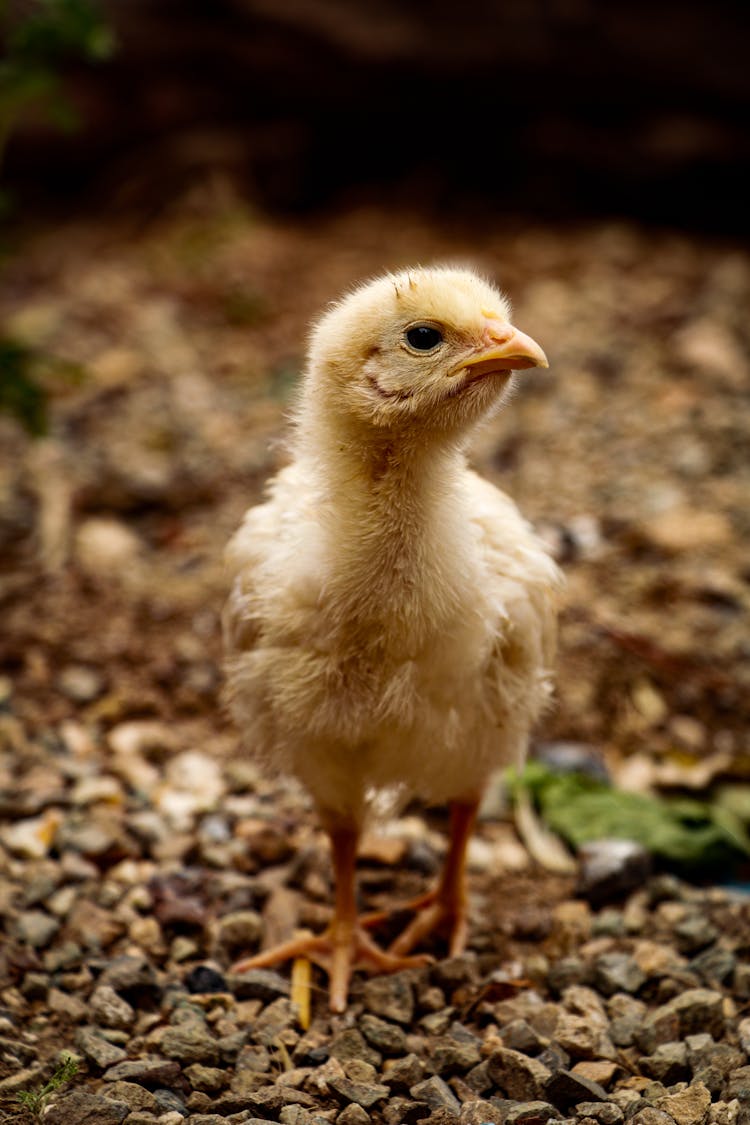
[(184, 186), (557, 107)]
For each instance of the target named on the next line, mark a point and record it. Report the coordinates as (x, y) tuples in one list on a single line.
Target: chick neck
[(393, 513), (397, 473)]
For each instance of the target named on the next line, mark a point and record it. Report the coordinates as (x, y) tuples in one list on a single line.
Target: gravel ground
[(140, 853)]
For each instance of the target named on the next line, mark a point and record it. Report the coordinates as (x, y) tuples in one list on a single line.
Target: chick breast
[(413, 667)]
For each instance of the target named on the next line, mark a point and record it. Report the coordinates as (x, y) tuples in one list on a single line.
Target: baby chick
[(392, 623)]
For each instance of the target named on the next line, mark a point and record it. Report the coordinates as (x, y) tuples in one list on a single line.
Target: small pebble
[(80, 684), (391, 997), (108, 1008), (36, 928), (608, 869), (435, 1093)]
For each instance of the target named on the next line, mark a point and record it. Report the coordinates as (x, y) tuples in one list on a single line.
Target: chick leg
[(344, 944), (445, 907)]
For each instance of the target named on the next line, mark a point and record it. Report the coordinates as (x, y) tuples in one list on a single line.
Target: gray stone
[(617, 972), (151, 1072), (741, 980), (63, 955), (697, 1010), (296, 1115), (689, 1106), (129, 974), (80, 1107), (608, 923), (359, 1070), (258, 984), (402, 1074), (36, 928), (108, 1008), (711, 1077), (451, 972), (231, 1045), (80, 683), (190, 1044), (661, 1025), (245, 1083), (353, 1115), (480, 1112), (384, 1036), (722, 1057), (208, 1078), (517, 1075), (565, 1089), (67, 1004), (725, 1113), (606, 1113), (623, 1029), (91, 1043), (244, 1118), (365, 1094), (554, 1058), (274, 1019), (350, 1044), (135, 1096), (668, 1063), (623, 1005), (478, 1078), (267, 1102), (694, 933), (436, 1023), (254, 1057), (403, 1111), (698, 1047), (714, 965), (738, 1085), (169, 1102), (35, 986), (609, 868), (436, 1094), (582, 1008), (650, 1116), (565, 972), (241, 929), (531, 1113), (456, 1053), (519, 1035), (441, 1116), (431, 999), (504, 1105), (24, 1079), (391, 997)]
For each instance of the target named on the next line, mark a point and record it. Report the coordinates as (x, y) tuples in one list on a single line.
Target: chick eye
[(423, 337)]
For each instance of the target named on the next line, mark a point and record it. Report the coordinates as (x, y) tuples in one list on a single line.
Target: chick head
[(427, 346)]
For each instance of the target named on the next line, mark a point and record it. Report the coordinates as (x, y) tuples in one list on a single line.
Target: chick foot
[(339, 950), (344, 945), (435, 914), (444, 909)]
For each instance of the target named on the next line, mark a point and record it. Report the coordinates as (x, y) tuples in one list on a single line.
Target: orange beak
[(506, 349)]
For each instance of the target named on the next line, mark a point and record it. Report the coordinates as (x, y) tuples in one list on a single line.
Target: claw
[(339, 951)]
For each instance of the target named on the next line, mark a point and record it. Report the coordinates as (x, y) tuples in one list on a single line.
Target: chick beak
[(505, 349)]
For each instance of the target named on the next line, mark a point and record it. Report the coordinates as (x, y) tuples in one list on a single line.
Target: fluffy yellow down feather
[(391, 628)]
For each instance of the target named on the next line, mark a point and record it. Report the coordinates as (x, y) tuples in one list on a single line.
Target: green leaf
[(683, 832)]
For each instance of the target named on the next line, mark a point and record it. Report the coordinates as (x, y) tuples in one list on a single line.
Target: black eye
[(423, 337)]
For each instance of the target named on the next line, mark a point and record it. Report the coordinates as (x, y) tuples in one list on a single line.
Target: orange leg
[(344, 944), (445, 907)]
